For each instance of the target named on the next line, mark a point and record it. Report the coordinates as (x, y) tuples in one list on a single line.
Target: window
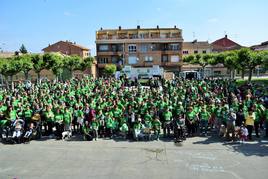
[(114, 60), (185, 52), (195, 51), (164, 58), (175, 58), (132, 48), (132, 60), (114, 48), (103, 60), (144, 47), (204, 51), (174, 47), (103, 47), (217, 72), (142, 36), (148, 59)]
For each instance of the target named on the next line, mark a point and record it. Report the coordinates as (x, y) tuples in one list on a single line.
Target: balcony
[(171, 64)]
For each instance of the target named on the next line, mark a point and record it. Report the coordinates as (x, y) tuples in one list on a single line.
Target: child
[(244, 133)]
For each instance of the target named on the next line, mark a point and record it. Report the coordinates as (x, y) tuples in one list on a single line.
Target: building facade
[(68, 48), (196, 47), (144, 51)]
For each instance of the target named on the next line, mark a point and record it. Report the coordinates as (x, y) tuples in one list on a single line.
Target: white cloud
[(213, 20), (68, 14)]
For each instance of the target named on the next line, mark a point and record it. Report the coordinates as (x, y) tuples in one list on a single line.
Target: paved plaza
[(195, 158)]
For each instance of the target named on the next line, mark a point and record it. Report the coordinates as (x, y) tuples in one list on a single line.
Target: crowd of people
[(109, 107)]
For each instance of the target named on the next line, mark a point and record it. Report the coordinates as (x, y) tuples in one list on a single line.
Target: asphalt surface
[(198, 157)]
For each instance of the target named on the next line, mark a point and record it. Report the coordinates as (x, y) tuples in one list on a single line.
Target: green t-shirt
[(167, 115), (204, 115), (191, 116), (13, 115), (67, 117), (58, 117), (156, 124), (28, 114), (49, 116)]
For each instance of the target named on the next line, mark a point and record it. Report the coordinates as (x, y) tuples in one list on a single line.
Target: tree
[(265, 59), (9, 68), (230, 62), (243, 58), (72, 63), (23, 49), (54, 62), (38, 64), (26, 64), (109, 69), (256, 58), (86, 63)]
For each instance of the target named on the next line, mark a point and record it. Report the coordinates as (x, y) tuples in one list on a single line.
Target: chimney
[(101, 28), (120, 27), (226, 36), (175, 26), (74, 42), (138, 27), (157, 26)]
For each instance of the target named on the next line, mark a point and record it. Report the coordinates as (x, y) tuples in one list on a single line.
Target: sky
[(37, 23)]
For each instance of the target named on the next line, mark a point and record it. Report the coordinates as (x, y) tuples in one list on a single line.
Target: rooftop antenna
[(193, 35)]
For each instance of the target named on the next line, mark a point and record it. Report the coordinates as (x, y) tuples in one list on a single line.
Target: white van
[(190, 75)]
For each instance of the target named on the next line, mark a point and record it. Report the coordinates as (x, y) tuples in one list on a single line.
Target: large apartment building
[(141, 50)]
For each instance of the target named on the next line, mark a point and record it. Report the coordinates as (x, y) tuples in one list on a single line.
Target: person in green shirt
[(110, 125), (204, 118), (95, 127), (12, 114), (28, 115), (67, 118), (156, 127), (49, 118), (87, 131), (59, 123), (124, 130), (191, 119), (167, 122)]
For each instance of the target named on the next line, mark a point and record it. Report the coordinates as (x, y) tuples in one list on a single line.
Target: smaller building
[(196, 47), (224, 44), (68, 48), (262, 46)]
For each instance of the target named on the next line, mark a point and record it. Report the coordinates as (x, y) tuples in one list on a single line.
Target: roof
[(262, 45), (69, 43), (225, 43), (141, 29), (199, 44)]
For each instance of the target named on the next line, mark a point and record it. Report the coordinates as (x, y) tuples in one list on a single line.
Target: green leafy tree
[(54, 62), (26, 64), (9, 68), (38, 64), (231, 62), (72, 63), (256, 58), (243, 58), (23, 49), (110, 69), (86, 63)]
